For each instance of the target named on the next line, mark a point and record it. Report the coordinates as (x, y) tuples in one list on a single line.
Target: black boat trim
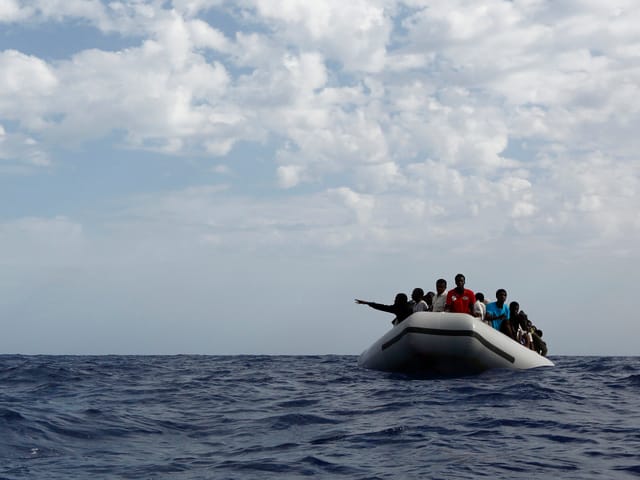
[(450, 333)]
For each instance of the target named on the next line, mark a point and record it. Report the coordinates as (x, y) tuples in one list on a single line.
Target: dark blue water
[(255, 417)]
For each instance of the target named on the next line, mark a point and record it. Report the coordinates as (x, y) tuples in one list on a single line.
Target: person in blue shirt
[(498, 312)]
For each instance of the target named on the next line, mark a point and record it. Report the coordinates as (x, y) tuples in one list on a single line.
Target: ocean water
[(256, 417)]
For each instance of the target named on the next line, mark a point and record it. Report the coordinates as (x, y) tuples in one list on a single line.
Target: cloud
[(157, 96), (93, 11), (289, 175), (26, 82), (490, 115), (381, 177), (20, 152), (12, 11), (361, 205), (374, 143), (194, 7), (354, 34)]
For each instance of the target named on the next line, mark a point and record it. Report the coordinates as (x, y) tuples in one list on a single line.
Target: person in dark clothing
[(429, 299), (539, 345), (401, 307), (535, 335), (514, 312), (524, 330)]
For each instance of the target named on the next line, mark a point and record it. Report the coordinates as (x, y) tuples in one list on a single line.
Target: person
[(417, 301), (479, 308), (440, 298), (523, 329), (535, 336), (514, 312), (460, 299), (539, 345), (401, 307), (521, 326), (498, 313), (428, 298)]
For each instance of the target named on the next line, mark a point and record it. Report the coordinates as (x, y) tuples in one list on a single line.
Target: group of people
[(507, 318)]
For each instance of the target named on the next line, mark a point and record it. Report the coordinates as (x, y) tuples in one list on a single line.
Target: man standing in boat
[(460, 299), (440, 298)]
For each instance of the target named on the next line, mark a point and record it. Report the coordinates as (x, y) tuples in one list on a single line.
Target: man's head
[(514, 307), (441, 286), (501, 296), (417, 294), (401, 298), (460, 280), (429, 298), (523, 320)]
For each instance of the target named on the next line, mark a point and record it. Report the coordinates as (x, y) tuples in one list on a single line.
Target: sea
[(290, 417)]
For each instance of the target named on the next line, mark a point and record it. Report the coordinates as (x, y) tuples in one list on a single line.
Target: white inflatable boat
[(447, 343)]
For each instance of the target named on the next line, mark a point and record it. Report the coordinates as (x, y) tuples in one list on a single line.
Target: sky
[(225, 177)]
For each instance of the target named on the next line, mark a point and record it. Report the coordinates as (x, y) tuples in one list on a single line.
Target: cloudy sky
[(223, 177)]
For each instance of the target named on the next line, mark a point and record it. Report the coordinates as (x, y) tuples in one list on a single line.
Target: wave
[(251, 416)]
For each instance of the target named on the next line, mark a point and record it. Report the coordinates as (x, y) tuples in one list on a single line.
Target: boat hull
[(447, 343)]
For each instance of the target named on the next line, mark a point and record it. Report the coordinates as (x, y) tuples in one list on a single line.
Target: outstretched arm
[(378, 306)]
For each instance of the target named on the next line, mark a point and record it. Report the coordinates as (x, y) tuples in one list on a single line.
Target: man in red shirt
[(460, 299)]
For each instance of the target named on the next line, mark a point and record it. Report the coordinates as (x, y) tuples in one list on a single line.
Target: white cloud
[(381, 177), (522, 209), (423, 116), (93, 11), (12, 11), (160, 101), (361, 205), (21, 150), (289, 175), (25, 84), (193, 7), (222, 169), (203, 35), (405, 136), (354, 33), (59, 9)]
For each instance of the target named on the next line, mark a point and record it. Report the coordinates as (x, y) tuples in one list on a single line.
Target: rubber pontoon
[(447, 343)]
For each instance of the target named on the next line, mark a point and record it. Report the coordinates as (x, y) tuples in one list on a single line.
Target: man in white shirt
[(479, 308), (440, 298), (417, 301)]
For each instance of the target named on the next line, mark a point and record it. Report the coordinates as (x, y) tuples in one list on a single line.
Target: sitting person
[(539, 345), (523, 334), (535, 335), (518, 321), (417, 301), (400, 308), (514, 310), (498, 312), (479, 308), (460, 299)]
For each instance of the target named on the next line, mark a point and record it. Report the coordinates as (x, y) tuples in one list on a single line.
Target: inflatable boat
[(447, 343)]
